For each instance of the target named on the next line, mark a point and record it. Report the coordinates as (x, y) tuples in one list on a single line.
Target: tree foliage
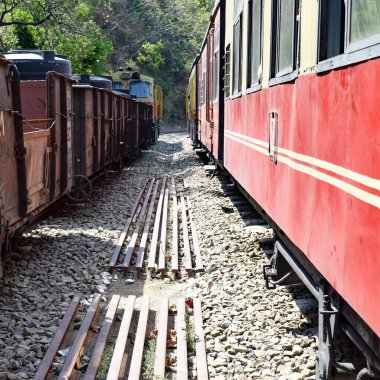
[(162, 38), (157, 37), (65, 26)]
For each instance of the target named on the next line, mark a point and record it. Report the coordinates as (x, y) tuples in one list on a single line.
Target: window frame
[(257, 85), (227, 72), (216, 65), (140, 81), (202, 97), (238, 19), (354, 52), (285, 75)]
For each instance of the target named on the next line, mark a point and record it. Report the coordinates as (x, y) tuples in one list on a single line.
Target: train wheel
[(133, 154), (81, 190)]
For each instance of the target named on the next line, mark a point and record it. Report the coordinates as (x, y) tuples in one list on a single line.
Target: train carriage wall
[(325, 154)]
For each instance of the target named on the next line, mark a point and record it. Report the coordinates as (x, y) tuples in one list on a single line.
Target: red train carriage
[(300, 138), (206, 111)]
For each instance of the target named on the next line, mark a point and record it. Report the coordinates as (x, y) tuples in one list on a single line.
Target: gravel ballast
[(251, 332)]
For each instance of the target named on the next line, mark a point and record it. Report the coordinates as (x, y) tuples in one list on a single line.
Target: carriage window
[(332, 28), (254, 42), (215, 89), (364, 19), (237, 46), (347, 26), (140, 89), (227, 68), (203, 83), (284, 37)]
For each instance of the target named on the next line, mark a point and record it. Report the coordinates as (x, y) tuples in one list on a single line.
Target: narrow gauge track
[(162, 214), (268, 334), (109, 345)]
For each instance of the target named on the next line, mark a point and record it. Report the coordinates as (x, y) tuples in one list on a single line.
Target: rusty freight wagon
[(35, 147)]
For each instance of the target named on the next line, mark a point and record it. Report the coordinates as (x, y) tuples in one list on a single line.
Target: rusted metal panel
[(140, 223), (34, 101), (164, 225), (175, 261), (123, 124), (138, 348), (48, 359), (101, 342), (156, 229), (162, 327), (12, 158), (48, 108), (79, 339), (200, 343), (144, 237), (119, 245), (107, 128), (134, 125), (185, 235), (182, 364), (96, 128), (85, 138), (121, 341)]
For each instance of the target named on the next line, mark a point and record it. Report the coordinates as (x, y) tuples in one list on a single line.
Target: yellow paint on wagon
[(309, 36), (229, 35), (267, 22)]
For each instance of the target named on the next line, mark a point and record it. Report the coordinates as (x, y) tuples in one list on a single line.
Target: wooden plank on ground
[(200, 344), (182, 365), (175, 263), (185, 236), (101, 342), (156, 229), (194, 234), (159, 364), (164, 226), (76, 347), (136, 231), (138, 348), (119, 245), (144, 237), (47, 360), (121, 341)]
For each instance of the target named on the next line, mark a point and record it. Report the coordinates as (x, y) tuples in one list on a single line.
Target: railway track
[(249, 330), (162, 214), (126, 341)]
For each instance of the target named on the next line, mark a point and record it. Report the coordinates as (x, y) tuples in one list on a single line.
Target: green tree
[(162, 38), (66, 26)]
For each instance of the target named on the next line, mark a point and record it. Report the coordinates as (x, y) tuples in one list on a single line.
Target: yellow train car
[(142, 88)]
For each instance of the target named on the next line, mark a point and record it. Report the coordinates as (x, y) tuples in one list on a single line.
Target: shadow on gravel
[(169, 148)]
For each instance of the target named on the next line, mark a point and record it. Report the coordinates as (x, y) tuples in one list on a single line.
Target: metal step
[(209, 168)]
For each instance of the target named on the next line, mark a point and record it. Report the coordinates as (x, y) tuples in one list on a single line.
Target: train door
[(209, 88)]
